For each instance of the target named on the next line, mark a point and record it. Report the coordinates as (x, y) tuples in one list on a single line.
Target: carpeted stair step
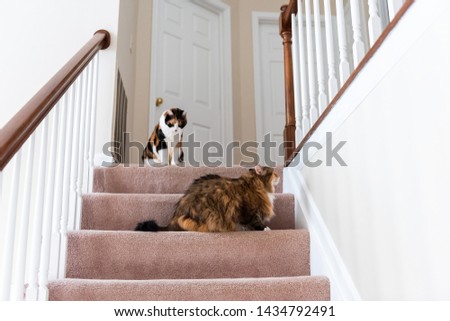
[(104, 211), (187, 255), (158, 180), (299, 288)]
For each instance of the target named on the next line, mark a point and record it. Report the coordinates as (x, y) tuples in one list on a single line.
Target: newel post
[(289, 129)]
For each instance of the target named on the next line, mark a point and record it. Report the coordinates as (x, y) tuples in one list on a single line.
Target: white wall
[(126, 51), (388, 211), (39, 37), (139, 113)]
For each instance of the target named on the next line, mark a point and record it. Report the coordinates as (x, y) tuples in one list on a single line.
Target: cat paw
[(267, 229)]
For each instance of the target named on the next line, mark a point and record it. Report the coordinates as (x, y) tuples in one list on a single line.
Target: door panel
[(272, 93), (187, 67)]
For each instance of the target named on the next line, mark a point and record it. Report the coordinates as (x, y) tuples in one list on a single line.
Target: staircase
[(107, 260)]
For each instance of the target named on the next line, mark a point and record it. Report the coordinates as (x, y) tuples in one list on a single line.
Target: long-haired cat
[(164, 144), (218, 204)]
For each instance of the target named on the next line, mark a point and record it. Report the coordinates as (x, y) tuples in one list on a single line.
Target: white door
[(269, 85), (186, 68)]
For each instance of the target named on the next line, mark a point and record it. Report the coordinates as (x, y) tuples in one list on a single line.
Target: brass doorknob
[(159, 101)]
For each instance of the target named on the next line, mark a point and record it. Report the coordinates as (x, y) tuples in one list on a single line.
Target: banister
[(346, 80), (286, 34), (14, 134)]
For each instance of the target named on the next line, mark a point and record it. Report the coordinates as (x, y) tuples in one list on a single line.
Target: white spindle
[(81, 163), (75, 155), (322, 98), (93, 123), (393, 7), (48, 208), (375, 26), (10, 232), (58, 196), (36, 237), (358, 44), (66, 185), (17, 291), (332, 79), (344, 65), (314, 112), (88, 128), (295, 62), (306, 125)]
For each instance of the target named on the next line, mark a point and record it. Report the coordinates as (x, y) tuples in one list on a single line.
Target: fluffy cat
[(218, 204), (164, 144)]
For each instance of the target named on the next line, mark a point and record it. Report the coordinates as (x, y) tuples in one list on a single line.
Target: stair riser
[(270, 289), (164, 180), (187, 255), (124, 211)]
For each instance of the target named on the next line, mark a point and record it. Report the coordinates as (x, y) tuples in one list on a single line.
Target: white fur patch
[(173, 135), (271, 197)]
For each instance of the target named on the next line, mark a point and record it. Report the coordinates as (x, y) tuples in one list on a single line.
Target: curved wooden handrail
[(15, 133)]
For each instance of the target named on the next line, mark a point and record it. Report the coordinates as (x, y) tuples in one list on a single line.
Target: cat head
[(172, 122), (267, 175)]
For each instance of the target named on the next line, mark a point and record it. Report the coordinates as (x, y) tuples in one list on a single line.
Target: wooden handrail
[(286, 34), (16, 132)]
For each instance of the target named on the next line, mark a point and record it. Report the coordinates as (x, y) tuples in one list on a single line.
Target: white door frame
[(259, 18), (225, 64)]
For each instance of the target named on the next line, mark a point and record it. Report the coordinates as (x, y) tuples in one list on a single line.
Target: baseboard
[(325, 257)]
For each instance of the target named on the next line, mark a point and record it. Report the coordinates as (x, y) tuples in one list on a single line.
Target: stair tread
[(297, 288), (183, 255), (109, 211), (168, 179), (107, 261)]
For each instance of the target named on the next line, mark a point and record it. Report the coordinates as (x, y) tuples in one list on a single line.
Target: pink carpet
[(107, 260)]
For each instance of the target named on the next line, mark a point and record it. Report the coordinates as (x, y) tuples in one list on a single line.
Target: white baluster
[(58, 196), (75, 155), (81, 157), (323, 99), (358, 44), (66, 184), (393, 7), (17, 291), (314, 112), (36, 237), (10, 232), (93, 122), (375, 26), (306, 124), (344, 65), (332, 79), (48, 208), (295, 63), (88, 127)]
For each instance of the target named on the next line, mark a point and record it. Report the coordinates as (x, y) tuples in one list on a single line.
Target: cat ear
[(184, 114), (259, 170), (169, 112)]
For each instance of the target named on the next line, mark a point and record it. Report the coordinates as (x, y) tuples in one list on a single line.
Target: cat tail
[(150, 226)]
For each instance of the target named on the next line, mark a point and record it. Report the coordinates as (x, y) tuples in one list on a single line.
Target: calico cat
[(218, 204), (164, 144)]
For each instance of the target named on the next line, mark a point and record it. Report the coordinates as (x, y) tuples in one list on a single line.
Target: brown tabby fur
[(218, 204)]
